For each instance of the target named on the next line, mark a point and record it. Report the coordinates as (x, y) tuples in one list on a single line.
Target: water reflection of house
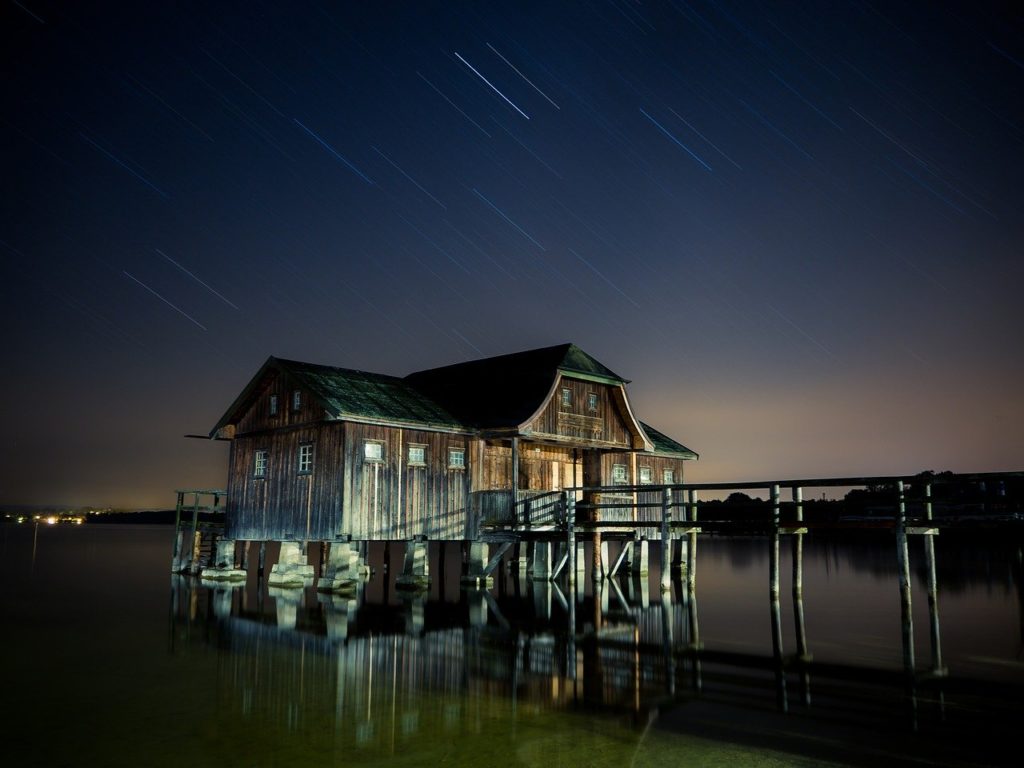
[(319, 453)]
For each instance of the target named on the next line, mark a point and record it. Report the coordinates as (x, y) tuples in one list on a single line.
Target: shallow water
[(107, 660)]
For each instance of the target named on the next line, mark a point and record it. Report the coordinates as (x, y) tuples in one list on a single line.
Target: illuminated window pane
[(373, 450), (417, 454), (620, 474), (456, 458)]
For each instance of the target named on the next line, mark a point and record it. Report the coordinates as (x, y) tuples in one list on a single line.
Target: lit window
[(373, 450), (417, 455), (296, 400), (259, 467), (620, 475), (456, 458), (273, 405), (645, 475), (591, 401), (567, 398), (305, 458), (668, 477)]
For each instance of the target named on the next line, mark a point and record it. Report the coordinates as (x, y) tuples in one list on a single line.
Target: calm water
[(107, 660)]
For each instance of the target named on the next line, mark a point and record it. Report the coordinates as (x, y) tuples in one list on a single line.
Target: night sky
[(797, 227)]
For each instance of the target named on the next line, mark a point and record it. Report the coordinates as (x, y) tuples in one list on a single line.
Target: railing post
[(776, 512), (666, 541)]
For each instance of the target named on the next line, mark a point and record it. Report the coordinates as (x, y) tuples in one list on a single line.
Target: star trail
[(795, 226)]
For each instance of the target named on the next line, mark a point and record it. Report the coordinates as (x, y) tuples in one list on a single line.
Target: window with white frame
[(456, 458), (259, 464), (273, 405), (296, 400), (566, 397), (592, 402), (305, 458), (645, 475), (620, 474), (417, 455), (373, 450), (668, 477)]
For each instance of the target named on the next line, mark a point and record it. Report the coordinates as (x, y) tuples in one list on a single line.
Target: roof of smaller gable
[(346, 393), (504, 391), (665, 444)]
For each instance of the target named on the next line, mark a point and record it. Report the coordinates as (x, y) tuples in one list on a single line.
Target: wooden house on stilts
[(323, 454)]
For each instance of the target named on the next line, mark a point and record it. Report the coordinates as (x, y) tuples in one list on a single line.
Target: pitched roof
[(504, 391), (491, 393), (666, 445)]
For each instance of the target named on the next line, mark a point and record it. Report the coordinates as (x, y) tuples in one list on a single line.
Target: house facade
[(321, 453)]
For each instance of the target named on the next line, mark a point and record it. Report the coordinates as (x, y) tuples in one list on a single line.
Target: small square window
[(456, 458), (620, 474), (373, 450), (567, 398), (296, 400), (259, 466), (417, 455), (668, 477), (273, 405), (645, 475), (305, 458), (592, 401)]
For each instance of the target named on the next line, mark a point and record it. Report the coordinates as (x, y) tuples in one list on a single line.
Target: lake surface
[(109, 660)]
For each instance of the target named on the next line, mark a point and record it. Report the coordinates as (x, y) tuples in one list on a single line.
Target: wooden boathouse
[(333, 455)]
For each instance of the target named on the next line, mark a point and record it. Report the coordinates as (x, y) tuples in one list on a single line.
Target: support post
[(195, 527), (515, 482), (540, 569), (903, 558), (639, 562), (666, 541), (416, 571), (798, 580), (569, 500), (177, 535), (933, 589)]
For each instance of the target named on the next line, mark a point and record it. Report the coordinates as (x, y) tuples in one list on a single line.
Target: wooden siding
[(389, 499), (605, 426), (286, 504), (256, 415), (542, 467)]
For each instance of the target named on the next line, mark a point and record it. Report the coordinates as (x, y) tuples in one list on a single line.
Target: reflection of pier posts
[(667, 642)]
